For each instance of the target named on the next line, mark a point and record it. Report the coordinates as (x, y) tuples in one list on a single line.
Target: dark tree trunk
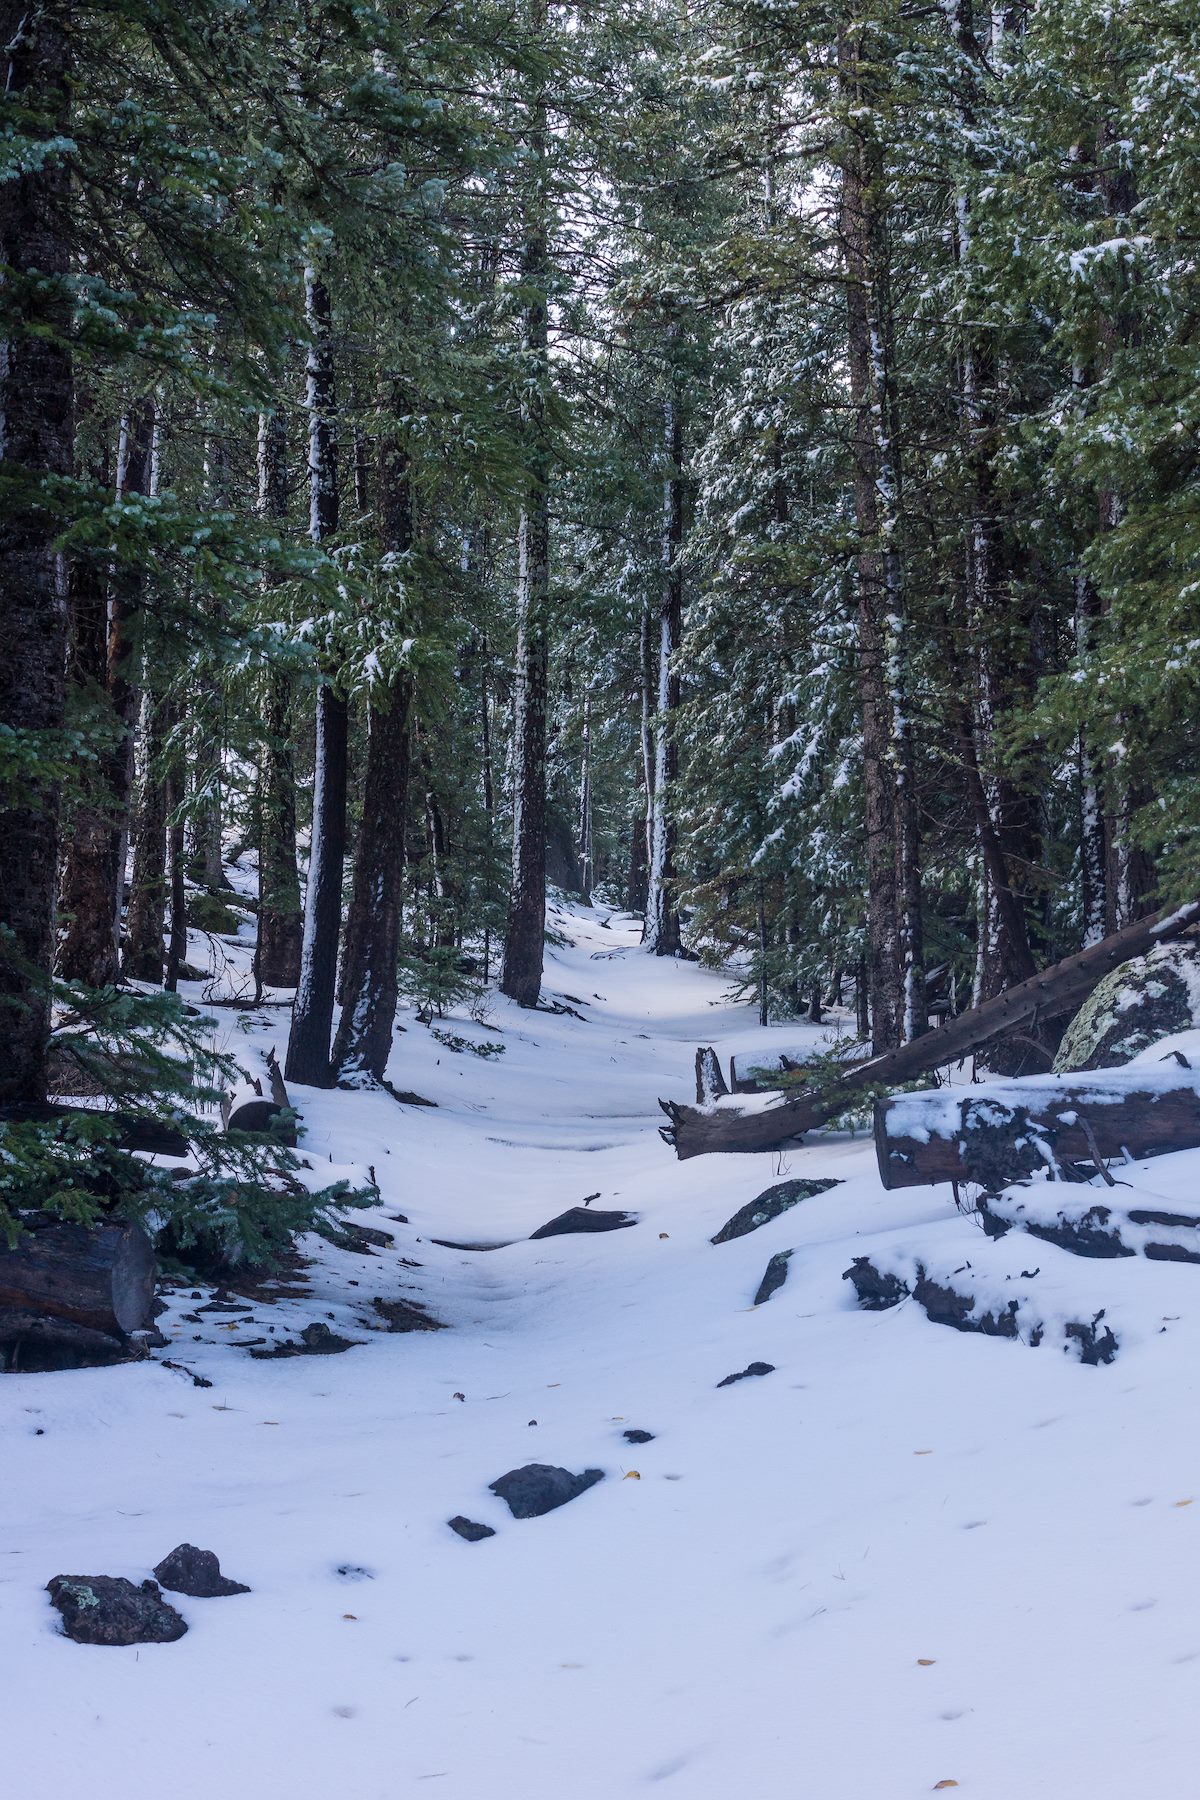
[(280, 919), (176, 864), (312, 1012), (93, 888), (524, 942), (369, 987), (36, 416)]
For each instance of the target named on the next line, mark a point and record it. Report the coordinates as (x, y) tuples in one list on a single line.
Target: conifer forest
[(553, 556)]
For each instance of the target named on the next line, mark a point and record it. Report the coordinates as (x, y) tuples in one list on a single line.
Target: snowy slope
[(907, 1557)]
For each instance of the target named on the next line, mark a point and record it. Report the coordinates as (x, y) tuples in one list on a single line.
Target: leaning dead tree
[(1062, 988)]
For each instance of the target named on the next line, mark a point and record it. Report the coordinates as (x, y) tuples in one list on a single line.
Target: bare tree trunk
[(173, 792), (280, 919), (312, 1011), (524, 943), (145, 949), (36, 438), (369, 985), (661, 933), (93, 886), (893, 879), (584, 844)]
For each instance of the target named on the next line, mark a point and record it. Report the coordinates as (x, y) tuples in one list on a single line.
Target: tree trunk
[(312, 1012), (584, 844), (145, 949), (524, 943), (662, 933), (893, 879), (280, 919), (93, 887), (36, 441), (369, 987)]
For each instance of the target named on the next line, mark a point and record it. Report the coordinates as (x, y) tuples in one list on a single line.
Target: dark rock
[(774, 1277), (769, 1205), (1171, 1253), (1140, 1002), (582, 1218), (107, 1609), (406, 1315), (315, 1340), (876, 1289), (197, 1572), (754, 1368), (539, 1487), (638, 1437), (1095, 1346), (470, 1529), (1090, 1233)]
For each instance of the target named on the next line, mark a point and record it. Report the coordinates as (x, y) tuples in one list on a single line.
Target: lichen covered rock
[(1149, 998)]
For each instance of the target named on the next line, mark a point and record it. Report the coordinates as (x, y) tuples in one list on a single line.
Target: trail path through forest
[(907, 1557)]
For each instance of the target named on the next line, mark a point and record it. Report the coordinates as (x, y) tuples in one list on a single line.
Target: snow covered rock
[(769, 1205), (581, 1218), (187, 1570), (1142, 1001), (539, 1487), (107, 1609)]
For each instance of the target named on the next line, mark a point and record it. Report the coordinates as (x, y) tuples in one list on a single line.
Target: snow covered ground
[(906, 1559)]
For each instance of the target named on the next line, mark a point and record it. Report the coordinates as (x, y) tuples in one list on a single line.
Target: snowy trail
[(906, 1557)]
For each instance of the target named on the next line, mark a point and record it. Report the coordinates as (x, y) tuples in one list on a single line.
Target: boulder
[(187, 1570), (539, 1487), (1140, 1002), (107, 1609), (638, 1437), (769, 1205), (582, 1218)]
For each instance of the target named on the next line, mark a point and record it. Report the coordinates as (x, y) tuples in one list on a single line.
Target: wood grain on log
[(83, 1289)]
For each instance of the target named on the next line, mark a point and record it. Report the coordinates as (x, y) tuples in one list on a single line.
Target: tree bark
[(662, 932), (280, 919), (524, 942), (312, 1012), (145, 949), (369, 986), (36, 442)]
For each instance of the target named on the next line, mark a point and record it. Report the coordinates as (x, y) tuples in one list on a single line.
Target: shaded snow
[(907, 1556)]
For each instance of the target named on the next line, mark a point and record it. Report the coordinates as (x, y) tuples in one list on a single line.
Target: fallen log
[(1000, 1132), (248, 1109), (710, 1082), (133, 1131), (1061, 988), (72, 1295)]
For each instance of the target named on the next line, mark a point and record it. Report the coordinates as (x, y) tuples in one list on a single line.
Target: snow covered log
[(135, 1132), (248, 1109), (1000, 1132), (726, 1126), (72, 1295)]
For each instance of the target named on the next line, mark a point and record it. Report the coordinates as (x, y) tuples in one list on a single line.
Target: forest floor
[(907, 1558)]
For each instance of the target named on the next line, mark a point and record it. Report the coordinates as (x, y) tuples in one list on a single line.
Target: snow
[(908, 1556)]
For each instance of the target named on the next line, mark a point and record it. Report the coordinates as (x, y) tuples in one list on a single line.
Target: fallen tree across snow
[(724, 1125)]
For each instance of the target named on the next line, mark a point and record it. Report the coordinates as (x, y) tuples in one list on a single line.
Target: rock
[(470, 1529), (638, 1437), (1149, 998), (754, 1368), (539, 1488), (946, 1306), (1090, 1233), (315, 1340), (775, 1275), (197, 1572), (876, 1289), (406, 1315), (769, 1205), (582, 1218), (107, 1609)]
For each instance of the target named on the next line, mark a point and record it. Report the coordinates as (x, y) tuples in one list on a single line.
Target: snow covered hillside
[(907, 1558)]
